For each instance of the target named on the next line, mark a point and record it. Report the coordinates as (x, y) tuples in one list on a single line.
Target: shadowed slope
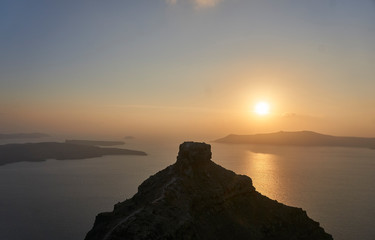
[(198, 199)]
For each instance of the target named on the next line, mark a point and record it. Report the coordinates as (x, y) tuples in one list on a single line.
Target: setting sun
[(262, 108)]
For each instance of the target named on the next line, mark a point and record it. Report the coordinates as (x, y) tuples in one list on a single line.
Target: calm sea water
[(60, 199)]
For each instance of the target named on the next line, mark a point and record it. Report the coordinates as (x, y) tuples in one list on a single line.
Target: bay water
[(60, 199)]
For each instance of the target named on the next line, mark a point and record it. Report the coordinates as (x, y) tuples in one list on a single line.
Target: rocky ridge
[(198, 199)]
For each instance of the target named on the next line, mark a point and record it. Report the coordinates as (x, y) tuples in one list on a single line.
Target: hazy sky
[(191, 68)]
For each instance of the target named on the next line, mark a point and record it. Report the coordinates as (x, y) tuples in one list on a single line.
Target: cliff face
[(198, 199)]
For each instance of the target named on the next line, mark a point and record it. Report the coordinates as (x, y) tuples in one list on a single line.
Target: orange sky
[(187, 69)]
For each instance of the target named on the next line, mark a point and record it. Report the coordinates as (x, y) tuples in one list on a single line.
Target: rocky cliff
[(198, 199)]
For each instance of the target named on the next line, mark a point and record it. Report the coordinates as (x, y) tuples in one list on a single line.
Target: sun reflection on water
[(264, 170)]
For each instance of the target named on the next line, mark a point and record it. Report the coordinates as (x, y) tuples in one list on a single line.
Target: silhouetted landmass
[(198, 199), (36, 152), (95, 143), (303, 138), (23, 135)]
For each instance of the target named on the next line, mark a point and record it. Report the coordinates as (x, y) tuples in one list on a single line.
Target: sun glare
[(262, 108)]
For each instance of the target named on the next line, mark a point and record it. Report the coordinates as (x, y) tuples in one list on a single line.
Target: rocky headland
[(198, 199)]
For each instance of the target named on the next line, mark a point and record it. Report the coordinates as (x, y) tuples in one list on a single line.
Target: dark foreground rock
[(198, 199), (36, 152)]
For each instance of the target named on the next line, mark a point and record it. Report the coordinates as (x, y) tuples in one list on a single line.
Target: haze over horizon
[(187, 68)]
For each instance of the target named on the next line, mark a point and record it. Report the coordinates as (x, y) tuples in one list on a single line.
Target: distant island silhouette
[(22, 135), (37, 152), (95, 142), (301, 138)]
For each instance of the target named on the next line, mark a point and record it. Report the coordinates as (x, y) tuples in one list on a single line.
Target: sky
[(187, 68)]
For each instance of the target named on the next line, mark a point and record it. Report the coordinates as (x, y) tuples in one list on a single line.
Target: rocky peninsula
[(36, 152), (198, 199)]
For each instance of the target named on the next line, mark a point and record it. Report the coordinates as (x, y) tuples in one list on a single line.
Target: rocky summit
[(198, 199)]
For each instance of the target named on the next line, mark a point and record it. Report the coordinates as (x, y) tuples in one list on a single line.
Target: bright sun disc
[(262, 108)]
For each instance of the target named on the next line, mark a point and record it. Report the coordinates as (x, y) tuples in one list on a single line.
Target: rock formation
[(198, 199)]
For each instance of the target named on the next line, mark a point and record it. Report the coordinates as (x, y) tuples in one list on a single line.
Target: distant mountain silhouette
[(95, 142), (23, 135), (36, 152), (302, 138)]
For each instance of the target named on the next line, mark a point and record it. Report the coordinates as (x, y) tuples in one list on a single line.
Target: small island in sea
[(36, 152), (95, 142), (197, 199), (301, 138)]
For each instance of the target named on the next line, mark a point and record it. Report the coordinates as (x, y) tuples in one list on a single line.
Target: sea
[(60, 199)]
